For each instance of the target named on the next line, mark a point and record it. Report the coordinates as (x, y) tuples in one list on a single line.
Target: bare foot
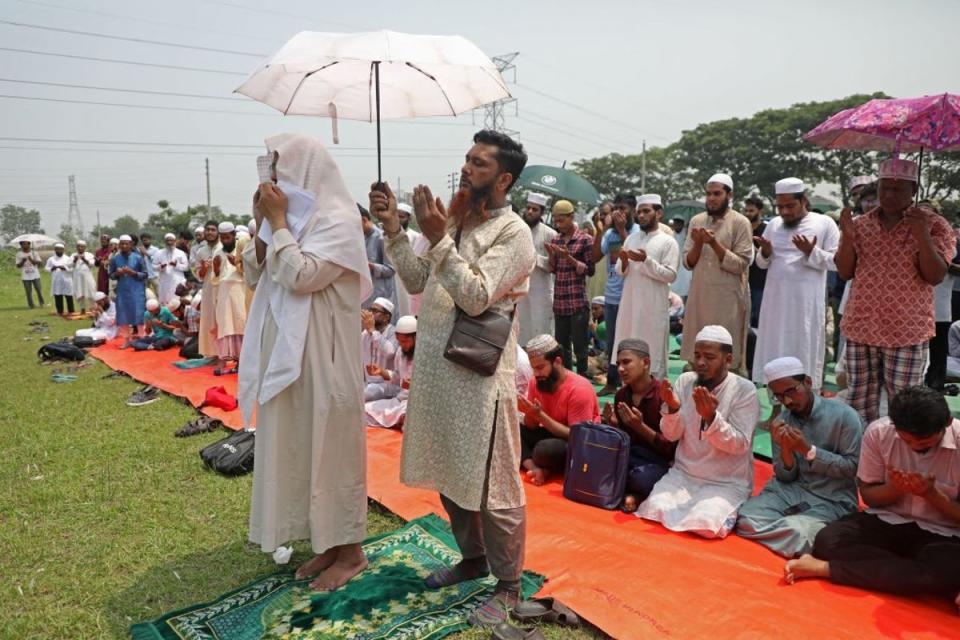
[(349, 563), (537, 476), (806, 566), (630, 503), (317, 564)]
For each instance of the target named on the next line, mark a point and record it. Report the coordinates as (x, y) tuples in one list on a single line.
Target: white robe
[(535, 311), (644, 305), (794, 299), (408, 304), (208, 309), (61, 281), (713, 470), (387, 412), (681, 285), (169, 276), (84, 284), (231, 299), (104, 326)]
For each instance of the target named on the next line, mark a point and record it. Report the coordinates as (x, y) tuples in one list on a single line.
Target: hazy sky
[(637, 70)]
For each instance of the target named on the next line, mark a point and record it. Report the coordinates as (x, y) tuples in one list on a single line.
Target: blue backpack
[(597, 460)]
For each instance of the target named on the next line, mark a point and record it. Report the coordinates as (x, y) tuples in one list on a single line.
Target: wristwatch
[(811, 454)]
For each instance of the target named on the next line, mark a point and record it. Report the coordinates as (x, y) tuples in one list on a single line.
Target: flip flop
[(545, 610), (506, 631)]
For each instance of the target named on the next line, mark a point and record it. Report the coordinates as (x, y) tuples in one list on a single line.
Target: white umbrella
[(374, 75), (36, 240)]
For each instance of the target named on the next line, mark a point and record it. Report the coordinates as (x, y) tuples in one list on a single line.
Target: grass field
[(107, 519)]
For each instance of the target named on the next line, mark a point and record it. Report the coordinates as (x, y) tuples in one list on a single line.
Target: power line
[(128, 62), (201, 152), (204, 144), (594, 136), (121, 90)]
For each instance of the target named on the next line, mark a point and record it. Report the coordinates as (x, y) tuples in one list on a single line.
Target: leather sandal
[(506, 631), (545, 610)]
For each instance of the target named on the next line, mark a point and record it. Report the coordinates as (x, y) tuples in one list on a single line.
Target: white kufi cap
[(403, 206), (722, 178), (98, 296), (898, 169), (198, 230), (540, 345), (599, 300), (58, 245), (153, 304), (114, 240), (783, 368), (226, 227), (169, 236), (406, 324), (385, 304), (537, 198), (789, 185), (715, 333), (126, 238), (650, 198), (860, 181)]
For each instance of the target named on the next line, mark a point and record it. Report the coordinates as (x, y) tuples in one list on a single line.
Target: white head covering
[(406, 324), (332, 234), (722, 178), (114, 240), (242, 228), (540, 345), (789, 185), (860, 181), (174, 304), (252, 225), (783, 368), (153, 304), (125, 238), (599, 300), (58, 245), (403, 206), (383, 303), (537, 198), (650, 198), (98, 296), (714, 333), (226, 227), (81, 243), (198, 230), (899, 169), (169, 236)]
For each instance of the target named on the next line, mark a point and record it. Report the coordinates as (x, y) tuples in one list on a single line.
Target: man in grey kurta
[(460, 436), (381, 271), (816, 446)]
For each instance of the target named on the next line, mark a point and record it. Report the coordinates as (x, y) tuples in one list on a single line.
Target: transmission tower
[(493, 116), (73, 217)]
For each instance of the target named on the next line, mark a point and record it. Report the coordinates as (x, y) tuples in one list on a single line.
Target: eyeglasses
[(792, 392)]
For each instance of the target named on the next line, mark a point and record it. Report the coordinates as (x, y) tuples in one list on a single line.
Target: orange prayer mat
[(635, 579)]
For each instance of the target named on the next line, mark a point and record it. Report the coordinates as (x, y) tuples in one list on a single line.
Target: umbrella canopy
[(37, 240), (561, 183), (904, 125)]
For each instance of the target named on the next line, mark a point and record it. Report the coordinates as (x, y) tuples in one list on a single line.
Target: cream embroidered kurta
[(61, 280), (719, 293), (310, 477), (535, 310), (208, 308), (644, 307), (452, 412), (171, 266), (231, 299), (84, 284)]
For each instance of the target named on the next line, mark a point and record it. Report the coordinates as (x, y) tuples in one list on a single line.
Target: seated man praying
[(159, 324), (636, 411), (391, 410), (908, 539), (104, 319), (379, 346), (816, 446), (556, 399), (711, 416)]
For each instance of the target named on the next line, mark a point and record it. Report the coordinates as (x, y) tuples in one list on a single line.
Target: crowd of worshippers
[(753, 302)]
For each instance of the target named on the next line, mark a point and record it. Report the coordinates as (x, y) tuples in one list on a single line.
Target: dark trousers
[(29, 286), (756, 299), (610, 312), (58, 300), (644, 470), (866, 552), (574, 328), (155, 342), (545, 449), (939, 346)]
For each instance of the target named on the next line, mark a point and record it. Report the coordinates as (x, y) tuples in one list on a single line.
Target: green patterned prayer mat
[(388, 600)]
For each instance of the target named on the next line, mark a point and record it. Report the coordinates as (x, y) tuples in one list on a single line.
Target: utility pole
[(99, 228), (452, 182), (493, 117), (73, 216), (643, 168), (206, 162)]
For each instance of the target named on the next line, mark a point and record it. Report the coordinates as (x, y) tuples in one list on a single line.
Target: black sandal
[(545, 610)]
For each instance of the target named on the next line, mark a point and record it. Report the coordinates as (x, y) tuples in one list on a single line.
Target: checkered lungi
[(869, 367)]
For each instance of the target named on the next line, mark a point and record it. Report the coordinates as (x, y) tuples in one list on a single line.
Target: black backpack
[(62, 350), (232, 456), (86, 342)]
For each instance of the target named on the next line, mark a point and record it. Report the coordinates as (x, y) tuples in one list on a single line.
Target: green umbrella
[(558, 182)]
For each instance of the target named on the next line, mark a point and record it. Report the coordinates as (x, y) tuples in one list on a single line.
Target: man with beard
[(199, 237), (607, 242), (381, 270), (796, 250), (896, 254), (570, 263), (556, 400), (648, 263), (378, 344), (129, 270), (231, 311), (535, 310), (391, 409), (102, 257), (711, 415), (753, 209), (104, 319), (171, 265), (718, 250), (460, 436), (83, 284), (206, 252), (59, 266)]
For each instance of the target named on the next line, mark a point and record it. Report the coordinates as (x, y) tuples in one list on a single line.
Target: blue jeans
[(610, 312), (644, 470)]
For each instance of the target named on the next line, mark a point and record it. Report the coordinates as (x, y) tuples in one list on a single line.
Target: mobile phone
[(800, 507)]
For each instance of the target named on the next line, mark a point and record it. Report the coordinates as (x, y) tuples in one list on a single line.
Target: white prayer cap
[(169, 236), (407, 324), (722, 178), (198, 230), (226, 227), (403, 206), (714, 333), (789, 185), (650, 198), (125, 238), (81, 243), (860, 181), (599, 300), (898, 169), (174, 304), (541, 345), (783, 368), (242, 228), (252, 226), (384, 304), (537, 198), (98, 296), (153, 304), (197, 299), (114, 240), (58, 245)]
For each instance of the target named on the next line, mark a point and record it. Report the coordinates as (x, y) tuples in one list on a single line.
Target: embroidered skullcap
[(384, 304), (153, 304), (174, 304), (541, 345), (563, 208), (114, 240), (899, 169), (58, 245), (860, 181), (789, 185), (242, 228), (169, 236), (81, 243), (407, 324), (722, 178), (198, 230), (634, 344), (650, 198), (403, 206), (98, 296), (783, 368), (126, 238), (226, 227), (537, 198), (599, 300), (714, 333)]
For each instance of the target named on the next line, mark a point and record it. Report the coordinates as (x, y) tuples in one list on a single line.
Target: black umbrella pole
[(919, 177), (376, 88)]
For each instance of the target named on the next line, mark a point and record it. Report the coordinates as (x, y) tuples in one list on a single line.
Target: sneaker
[(143, 397)]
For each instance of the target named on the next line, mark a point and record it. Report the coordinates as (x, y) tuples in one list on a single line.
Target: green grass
[(106, 519)]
